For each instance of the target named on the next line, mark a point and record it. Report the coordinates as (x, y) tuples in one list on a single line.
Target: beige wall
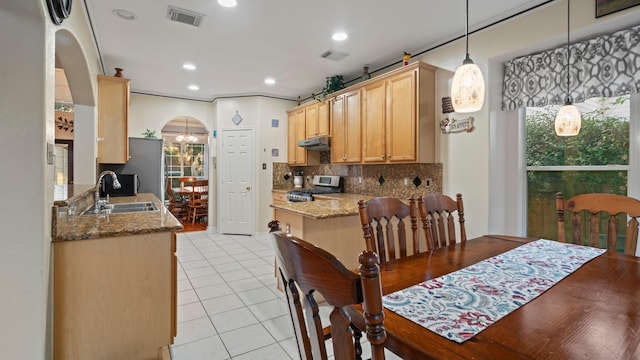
[(26, 127), (257, 113), (153, 112)]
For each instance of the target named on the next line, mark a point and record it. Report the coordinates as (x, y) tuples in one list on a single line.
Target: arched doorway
[(75, 110), (186, 154)]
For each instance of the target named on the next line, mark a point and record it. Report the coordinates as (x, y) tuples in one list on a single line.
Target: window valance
[(606, 66)]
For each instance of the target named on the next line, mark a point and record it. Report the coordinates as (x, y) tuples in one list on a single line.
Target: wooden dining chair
[(384, 223), (199, 202), (596, 218), (307, 270), (438, 220), (177, 207)]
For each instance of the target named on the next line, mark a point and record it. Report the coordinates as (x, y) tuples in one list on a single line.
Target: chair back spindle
[(600, 211), (438, 221), (384, 223)]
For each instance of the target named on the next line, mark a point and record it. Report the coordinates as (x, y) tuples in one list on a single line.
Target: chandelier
[(186, 136)]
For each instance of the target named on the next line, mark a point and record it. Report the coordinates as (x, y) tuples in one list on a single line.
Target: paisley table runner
[(461, 304)]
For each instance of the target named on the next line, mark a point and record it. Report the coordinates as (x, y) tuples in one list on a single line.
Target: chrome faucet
[(96, 197)]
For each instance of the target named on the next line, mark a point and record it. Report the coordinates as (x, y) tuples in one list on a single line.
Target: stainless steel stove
[(322, 184)]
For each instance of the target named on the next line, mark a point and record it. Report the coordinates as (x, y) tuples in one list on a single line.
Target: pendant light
[(467, 87), (568, 119)]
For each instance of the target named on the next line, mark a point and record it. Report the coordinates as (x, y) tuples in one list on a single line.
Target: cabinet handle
[(381, 156), (248, 188)]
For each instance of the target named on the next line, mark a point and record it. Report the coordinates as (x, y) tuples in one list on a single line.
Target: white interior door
[(237, 210)]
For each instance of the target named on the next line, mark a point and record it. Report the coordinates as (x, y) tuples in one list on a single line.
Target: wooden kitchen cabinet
[(398, 117), (373, 122), (113, 120), (317, 119), (279, 197), (114, 298), (345, 128), (297, 155), (341, 235), (384, 120)]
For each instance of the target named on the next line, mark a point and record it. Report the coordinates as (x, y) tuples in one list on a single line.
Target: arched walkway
[(186, 143)]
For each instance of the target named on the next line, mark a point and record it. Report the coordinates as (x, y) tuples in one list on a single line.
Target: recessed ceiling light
[(228, 3), (270, 81), (188, 66), (339, 36), (124, 14), (194, 87)]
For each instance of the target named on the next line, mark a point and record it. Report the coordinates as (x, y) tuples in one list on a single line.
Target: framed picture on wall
[(606, 7)]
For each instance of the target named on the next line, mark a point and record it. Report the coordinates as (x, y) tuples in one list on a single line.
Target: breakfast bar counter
[(324, 206), (331, 222)]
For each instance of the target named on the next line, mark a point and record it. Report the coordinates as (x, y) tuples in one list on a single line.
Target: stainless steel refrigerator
[(146, 159)]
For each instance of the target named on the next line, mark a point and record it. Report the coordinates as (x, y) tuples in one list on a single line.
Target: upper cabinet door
[(297, 128), (373, 123), (352, 130), (323, 119), (317, 119), (345, 128), (401, 120), (113, 120), (311, 113)]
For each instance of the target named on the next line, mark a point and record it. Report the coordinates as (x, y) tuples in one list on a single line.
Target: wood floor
[(187, 226), (198, 226)]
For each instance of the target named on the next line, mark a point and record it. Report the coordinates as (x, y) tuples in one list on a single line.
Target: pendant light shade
[(467, 87), (568, 120)]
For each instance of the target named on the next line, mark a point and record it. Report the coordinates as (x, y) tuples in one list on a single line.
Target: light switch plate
[(50, 153)]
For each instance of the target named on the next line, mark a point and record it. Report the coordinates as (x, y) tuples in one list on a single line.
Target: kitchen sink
[(123, 208)]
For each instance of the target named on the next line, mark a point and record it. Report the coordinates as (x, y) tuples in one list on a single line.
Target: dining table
[(183, 191), (593, 313)]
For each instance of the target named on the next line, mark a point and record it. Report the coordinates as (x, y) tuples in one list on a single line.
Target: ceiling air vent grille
[(184, 16), (333, 55)]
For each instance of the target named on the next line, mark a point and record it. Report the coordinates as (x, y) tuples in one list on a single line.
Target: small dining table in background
[(594, 313)]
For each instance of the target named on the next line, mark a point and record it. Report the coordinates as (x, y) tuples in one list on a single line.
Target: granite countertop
[(81, 227), (324, 206)]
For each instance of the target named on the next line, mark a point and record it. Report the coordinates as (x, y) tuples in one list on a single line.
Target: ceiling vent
[(333, 55), (184, 16)]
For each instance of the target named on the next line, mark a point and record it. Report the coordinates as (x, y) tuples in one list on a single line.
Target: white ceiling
[(235, 49)]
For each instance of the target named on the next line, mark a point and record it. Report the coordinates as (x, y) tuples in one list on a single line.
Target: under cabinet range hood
[(322, 143)]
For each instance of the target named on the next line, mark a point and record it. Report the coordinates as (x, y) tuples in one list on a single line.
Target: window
[(185, 159), (597, 160)]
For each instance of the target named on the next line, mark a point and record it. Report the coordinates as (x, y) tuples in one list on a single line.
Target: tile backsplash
[(398, 180)]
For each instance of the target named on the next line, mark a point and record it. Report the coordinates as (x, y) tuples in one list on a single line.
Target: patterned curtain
[(605, 66)]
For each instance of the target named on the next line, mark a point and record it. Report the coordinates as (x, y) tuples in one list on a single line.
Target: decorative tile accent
[(417, 181), (381, 180)]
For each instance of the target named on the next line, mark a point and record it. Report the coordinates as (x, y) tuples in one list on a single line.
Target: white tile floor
[(228, 303)]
